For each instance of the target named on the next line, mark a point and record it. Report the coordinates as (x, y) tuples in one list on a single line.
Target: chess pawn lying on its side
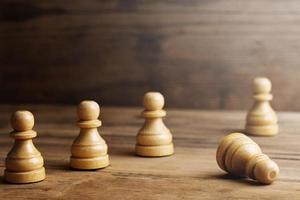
[(154, 139), (239, 155), (261, 119), (24, 163)]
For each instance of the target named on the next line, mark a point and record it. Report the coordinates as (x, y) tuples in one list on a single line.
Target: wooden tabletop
[(191, 173)]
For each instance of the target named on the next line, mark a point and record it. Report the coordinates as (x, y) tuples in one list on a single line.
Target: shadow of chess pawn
[(261, 119), (89, 150), (154, 138), (24, 163)]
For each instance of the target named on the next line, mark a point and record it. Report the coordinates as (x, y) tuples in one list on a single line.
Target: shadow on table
[(57, 164), (124, 152), (231, 178), (228, 131)]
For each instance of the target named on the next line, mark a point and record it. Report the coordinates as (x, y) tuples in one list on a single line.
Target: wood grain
[(191, 173), (206, 50)]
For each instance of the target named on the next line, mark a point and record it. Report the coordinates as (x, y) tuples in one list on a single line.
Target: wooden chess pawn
[(154, 138), (261, 119), (24, 163), (89, 150), (239, 155)]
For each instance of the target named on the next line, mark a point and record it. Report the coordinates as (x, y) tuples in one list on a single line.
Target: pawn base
[(268, 130), (89, 163), (25, 177), (154, 151)]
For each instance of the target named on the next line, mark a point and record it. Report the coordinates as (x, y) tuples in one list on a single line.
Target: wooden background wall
[(199, 53)]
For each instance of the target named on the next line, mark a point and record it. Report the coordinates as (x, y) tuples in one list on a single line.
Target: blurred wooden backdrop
[(198, 53)]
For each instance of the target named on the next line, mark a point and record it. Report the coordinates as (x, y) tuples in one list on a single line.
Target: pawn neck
[(89, 124), (154, 114), (23, 135), (262, 97), (262, 169)]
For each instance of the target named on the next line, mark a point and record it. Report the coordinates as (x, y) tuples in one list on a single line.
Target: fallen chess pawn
[(240, 156)]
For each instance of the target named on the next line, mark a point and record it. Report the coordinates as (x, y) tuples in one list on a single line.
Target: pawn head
[(153, 101), (22, 120), (88, 110), (262, 85), (266, 171)]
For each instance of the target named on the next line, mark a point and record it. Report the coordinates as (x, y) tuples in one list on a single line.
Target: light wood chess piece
[(24, 163), (239, 155), (261, 119), (89, 150), (154, 139)]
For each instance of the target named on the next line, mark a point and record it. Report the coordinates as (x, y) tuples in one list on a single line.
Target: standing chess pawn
[(261, 119), (89, 150), (24, 163), (239, 155), (154, 138)]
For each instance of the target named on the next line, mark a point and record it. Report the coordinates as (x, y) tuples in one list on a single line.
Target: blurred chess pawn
[(154, 138), (239, 155), (89, 150), (261, 119), (24, 163)]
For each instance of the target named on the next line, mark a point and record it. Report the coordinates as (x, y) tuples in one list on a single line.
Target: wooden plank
[(209, 50), (191, 173)]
